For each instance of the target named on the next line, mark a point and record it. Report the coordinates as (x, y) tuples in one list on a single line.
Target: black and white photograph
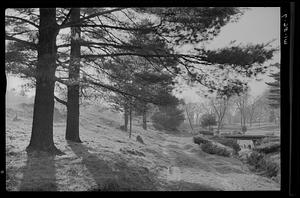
[(143, 98)]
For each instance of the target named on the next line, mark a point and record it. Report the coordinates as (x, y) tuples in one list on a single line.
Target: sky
[(257, 25)]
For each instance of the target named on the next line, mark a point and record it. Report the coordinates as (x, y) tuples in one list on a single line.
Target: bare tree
[(252, 107), (241, 104), (220, 105)]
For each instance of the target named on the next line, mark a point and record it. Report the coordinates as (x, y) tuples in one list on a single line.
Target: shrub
[(254, 159), (200, 140), (270, 147), (208, 120), (270, 139), (270, 168), (213, 149), (168, 118), (232, 143), (261, 163)]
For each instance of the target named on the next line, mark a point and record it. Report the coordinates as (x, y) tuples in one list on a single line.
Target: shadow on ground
[(39, 173), (117, 176)]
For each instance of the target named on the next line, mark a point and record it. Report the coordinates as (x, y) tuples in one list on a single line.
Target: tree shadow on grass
[(112, 176), (39, 173), (98, 168)]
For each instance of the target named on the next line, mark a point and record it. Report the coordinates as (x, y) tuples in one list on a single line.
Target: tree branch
[(126, 54), (24, 20), (88, 44), (111, 88), (75, 23), (67, 17), (117, 27), (11, 38), (60, 100)]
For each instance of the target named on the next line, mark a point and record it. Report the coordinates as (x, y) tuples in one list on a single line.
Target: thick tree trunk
[(72, 129), (42, 126), (145, 117), (126, 118)]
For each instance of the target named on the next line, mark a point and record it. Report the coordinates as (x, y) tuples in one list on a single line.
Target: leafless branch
[(24, 20)]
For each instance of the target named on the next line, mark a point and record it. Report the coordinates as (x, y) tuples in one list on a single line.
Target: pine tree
[(274, 92), (72, 128)]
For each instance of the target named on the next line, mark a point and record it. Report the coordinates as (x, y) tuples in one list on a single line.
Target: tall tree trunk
[(130, 120), (126, 118), (72, 129), (42, 126), (145, 117)]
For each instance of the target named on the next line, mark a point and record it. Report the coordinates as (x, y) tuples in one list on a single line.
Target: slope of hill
[(109, 160)]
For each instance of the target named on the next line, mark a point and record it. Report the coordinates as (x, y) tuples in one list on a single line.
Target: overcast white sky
[(257, 25)]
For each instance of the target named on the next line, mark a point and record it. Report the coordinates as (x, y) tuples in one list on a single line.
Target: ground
[(109, 160)]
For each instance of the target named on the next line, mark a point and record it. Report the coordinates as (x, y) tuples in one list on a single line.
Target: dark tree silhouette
[(42, 126), (72, 129)]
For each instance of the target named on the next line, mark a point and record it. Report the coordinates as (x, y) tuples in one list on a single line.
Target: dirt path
[(188, 164)]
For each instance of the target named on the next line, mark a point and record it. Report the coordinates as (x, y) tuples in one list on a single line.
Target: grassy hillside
[(108, 160)]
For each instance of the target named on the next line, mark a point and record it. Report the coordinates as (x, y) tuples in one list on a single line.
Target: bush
[(270, 168), (206, 132), (267, 140), (270, 147), (262, 163), (254, 159), (208, 120), (232, 143), (213, 149), (200, 140), (168, 118)]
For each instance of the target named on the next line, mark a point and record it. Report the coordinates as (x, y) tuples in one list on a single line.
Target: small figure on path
[(139, 139)]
